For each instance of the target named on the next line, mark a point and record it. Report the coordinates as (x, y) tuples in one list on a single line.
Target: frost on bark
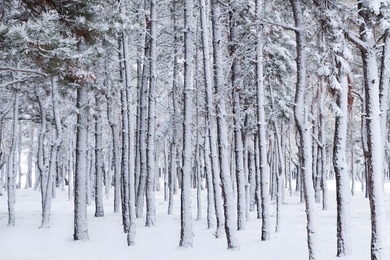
[(150, 169), (143, 119), (264, 168), (211, 117), (374, 155), (48, 175), (116, 157), (341, 170), (99, 209), (81, 175), (237, 115), (222, 130), (186, 236), (11, 171), (367, 44), (304, 129)]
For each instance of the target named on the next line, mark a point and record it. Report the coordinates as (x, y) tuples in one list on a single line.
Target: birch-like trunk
[(211, 117), (322, 140), (261, 127), (237, 115), (186, 236), (99, 209), (341, 171), (173, 163), (57, 139), (304, 129), (81, 175), (113, 122), (143, 123), (222, 128), (150, 169), (11, 174)]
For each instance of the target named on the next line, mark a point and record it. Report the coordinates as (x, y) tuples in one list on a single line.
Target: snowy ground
[(107, 241)]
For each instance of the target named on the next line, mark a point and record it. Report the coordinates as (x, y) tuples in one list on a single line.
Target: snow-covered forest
[(214, 129)]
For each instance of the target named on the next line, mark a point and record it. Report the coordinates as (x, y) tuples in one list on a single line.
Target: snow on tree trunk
[(173, 162), (57, 139), (341, 171), (210, 110), (304, 129), (186, 236), (81, 175), (11, 173), (99, 209), (261, 128), (384, 89), (143, 123), (222, 128), (30, 156), (115, 152), (375, 164), (132, 215), (150, 200), (322, 140), (374, 154), (237, 114), (209, 183)]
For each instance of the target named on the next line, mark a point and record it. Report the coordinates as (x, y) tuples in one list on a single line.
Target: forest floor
[(26, 241)]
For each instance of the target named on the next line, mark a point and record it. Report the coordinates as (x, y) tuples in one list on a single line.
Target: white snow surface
[(107, 240)]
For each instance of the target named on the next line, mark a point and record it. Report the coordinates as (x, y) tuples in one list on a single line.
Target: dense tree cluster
[(242, 100)]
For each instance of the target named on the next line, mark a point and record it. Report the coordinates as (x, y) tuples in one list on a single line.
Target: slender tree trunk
[(222, 128), (238, 144), (11, 174), (99, 209), (341, 171), (143, 124), (30, 156), (210, 109), (57, 137), (81, 174), (186, 236), (115, 153), (264, 168), (150, 180), (322, 140), (304, 129)]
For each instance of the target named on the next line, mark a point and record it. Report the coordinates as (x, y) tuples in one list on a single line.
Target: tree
[(222, 130), (368, 12), (304, 129), (186, 216), (264, 168)]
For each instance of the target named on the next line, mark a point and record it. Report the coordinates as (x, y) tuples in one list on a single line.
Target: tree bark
[(81, 174), (186, 236)]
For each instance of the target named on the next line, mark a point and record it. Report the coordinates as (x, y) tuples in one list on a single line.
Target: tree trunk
[(304, 129), (99, 209), (186, 236), (210, 110), (150, 169), (81, 174), (341, 171), (11, 174), (264, 168), (237, 115), (222, 128)]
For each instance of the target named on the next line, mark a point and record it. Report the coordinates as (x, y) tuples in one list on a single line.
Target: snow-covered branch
[(24, 70), (354, 38), (285, 26), (3, 85)]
